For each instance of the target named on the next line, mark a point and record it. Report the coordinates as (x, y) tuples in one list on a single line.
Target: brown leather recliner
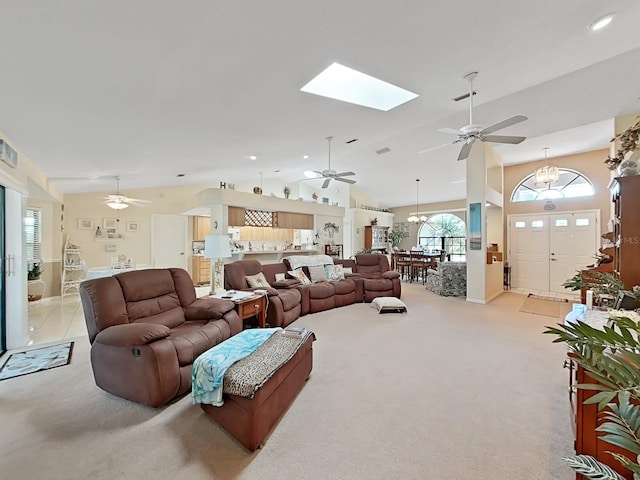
[(146, 328), (378, 280), (283, 298)]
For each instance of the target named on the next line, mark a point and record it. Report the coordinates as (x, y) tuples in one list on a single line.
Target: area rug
[(36, 360), (551, 307)]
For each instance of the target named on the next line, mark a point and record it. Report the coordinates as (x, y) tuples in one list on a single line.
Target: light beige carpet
[(450, 390), (547, 307)]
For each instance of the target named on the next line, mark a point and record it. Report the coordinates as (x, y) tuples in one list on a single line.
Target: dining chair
[(419, 262), (403, 265)]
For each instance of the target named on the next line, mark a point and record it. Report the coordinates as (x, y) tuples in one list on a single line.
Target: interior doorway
[(3, 262), (169, 241), (545, 249)]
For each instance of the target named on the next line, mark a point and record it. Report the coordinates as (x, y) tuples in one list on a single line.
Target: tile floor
[(52, 320)]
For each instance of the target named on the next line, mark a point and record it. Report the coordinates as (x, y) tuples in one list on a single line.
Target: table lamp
[(216, 247)]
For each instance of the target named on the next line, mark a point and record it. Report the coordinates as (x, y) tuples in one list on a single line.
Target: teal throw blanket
[(210, 367)]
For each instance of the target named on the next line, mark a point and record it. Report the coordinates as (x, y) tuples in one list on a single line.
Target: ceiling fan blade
[(326, 183), (344, 174), (505, 123), (452, 131), (503, 139), (434, 148), (345, 180), (464, 151), (319, 173)]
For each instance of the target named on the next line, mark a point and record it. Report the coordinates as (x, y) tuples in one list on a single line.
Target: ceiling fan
[(330, 174), (119, 201), (474, 131)]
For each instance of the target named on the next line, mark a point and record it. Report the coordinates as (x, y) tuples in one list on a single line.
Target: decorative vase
[(627, 168)]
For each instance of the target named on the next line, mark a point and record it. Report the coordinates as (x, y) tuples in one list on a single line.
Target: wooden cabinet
[(376, 238), (585, 420), (299, 221), (201, 228), (235, 216), (626, 199), (201, 270)]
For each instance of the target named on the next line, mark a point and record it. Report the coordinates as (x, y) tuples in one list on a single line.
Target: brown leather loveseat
[(378, 280), (146, 328), (283, 298)]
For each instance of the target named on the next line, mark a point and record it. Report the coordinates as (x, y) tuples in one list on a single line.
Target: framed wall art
[(108, 223), (85, 224), (133, 227)]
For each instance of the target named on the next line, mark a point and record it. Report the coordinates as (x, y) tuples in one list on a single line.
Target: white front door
[(169, 241), (572, 246), (529, 247), (546, 249)]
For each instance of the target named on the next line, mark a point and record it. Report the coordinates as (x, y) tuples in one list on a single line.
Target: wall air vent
[(8, 155), (352, 140), (382, 151), (462, 97)]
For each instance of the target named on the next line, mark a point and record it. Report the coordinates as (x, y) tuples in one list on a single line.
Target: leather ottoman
[(251, 419)]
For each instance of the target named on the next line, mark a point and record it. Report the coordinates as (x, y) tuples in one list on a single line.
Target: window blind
[(33, 234)]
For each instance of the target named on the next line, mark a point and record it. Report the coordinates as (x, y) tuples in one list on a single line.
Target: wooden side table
[(253, 306)]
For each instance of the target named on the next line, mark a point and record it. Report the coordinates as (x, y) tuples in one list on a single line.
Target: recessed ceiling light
[(349, 85), (305, 156), (253, 157), (601, 22), (310, 174)]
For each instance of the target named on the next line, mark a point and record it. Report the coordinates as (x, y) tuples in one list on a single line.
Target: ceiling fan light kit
[(118, 201), (330, 174), (468, 134)]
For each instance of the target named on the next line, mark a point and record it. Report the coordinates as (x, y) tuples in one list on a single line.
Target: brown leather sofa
[(283, 298), (146, 328), (326, 295), (378, 280)]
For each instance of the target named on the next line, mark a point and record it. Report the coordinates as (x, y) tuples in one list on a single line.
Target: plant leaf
[(591, 468)]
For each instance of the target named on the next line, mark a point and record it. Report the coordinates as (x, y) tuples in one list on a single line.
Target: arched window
[(444, 231), (570, 184)]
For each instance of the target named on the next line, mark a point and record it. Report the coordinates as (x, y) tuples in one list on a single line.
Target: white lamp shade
[(217, 246)]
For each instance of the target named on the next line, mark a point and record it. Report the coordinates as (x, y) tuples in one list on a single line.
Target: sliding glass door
[(3, 262)]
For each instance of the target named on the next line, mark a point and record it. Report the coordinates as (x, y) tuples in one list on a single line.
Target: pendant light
[(547, 175), (415, 218)]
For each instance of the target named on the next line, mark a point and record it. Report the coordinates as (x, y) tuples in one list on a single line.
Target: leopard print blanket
[(245, 377)]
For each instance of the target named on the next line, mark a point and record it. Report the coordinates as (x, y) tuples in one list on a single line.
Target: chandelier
[(415, 218), (547, 175)]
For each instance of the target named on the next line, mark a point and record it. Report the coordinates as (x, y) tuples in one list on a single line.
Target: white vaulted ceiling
[(150, 89)]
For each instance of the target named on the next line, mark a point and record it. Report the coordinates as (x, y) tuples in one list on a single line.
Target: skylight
[(348, 85)]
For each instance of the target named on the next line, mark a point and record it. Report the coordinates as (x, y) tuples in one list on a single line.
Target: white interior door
[(169, 241), (529, 252), (572, 245), (546, 249)]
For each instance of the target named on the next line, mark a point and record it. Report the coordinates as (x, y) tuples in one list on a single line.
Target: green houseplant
[(610, 356), (34, 270), (395, 237)]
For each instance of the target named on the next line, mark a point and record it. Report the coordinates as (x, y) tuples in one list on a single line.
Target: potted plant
[(395, 237), (603, 284), (629, 142), (34, 270), (611, 357)]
